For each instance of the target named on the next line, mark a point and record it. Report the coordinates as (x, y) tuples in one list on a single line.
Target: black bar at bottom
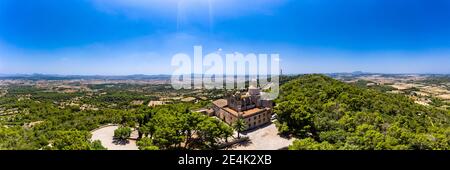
[(225, 159)]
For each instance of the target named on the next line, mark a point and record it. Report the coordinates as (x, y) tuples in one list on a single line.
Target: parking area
[(263, 138)]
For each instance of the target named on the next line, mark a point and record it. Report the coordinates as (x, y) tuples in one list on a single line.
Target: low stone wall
[(284, 148), (103, 126)]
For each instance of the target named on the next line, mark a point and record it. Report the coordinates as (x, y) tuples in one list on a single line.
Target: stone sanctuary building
[(249, 106)]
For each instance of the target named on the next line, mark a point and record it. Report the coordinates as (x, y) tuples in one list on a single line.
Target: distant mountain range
[(82, 77), (37, 76)]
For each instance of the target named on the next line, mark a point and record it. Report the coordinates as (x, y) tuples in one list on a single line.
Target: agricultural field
[(423, 89)]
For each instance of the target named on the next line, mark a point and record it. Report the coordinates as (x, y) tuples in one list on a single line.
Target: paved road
[(105, 135)]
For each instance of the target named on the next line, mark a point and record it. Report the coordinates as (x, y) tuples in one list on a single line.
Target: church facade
[(247, 106)]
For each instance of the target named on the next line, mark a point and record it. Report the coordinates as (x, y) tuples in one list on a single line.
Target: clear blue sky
[(118, 37)]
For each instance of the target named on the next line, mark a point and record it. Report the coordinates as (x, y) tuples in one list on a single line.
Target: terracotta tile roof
[(252, 112), (245, 114), (220, 103), (229, 110)]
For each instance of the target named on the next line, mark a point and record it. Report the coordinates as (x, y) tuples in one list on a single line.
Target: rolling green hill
[(328, 114)]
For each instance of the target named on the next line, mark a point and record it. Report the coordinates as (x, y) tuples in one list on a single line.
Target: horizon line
[(163, 74)]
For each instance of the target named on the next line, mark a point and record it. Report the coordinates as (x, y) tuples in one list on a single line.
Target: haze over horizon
[(170, 74), (119, 37)]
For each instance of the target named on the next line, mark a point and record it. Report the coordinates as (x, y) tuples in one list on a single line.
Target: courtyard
[(263, 138)]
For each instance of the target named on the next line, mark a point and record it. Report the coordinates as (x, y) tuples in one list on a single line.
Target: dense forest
[(324, 113), (32, 118)]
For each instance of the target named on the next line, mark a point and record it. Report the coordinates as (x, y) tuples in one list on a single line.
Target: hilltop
[(329, 114)]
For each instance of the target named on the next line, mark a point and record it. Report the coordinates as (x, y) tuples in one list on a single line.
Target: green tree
[(168, 128), (239, 125), (122, 133), (143, 131), (191, 122), (323, 111), (97, 145), (146, 144), (310, 144), (74, 140), (211, 130)]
